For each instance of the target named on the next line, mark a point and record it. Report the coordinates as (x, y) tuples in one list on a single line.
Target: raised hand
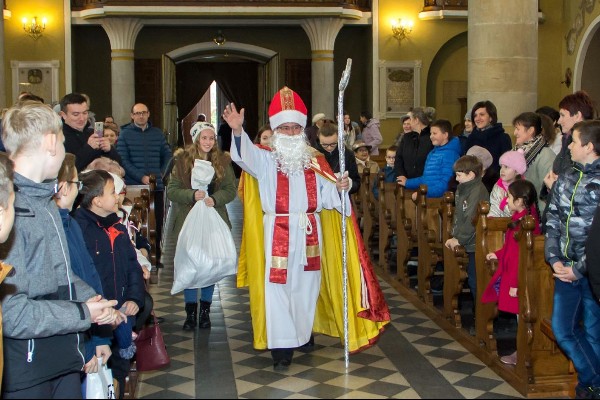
[(234, 118)]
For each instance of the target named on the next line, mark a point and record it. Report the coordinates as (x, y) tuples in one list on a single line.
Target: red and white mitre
[(287, 106)]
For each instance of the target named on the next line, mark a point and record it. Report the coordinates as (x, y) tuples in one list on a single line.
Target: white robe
[(290, 307)]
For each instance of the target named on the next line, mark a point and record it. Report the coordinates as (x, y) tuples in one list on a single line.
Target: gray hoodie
[(42, 303)]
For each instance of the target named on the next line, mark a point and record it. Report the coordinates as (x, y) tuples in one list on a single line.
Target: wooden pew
[(406, 231), (370, 211), (142, 197), (429, 241), (542, 368), (455, 264), (387, 219), (489, 237)]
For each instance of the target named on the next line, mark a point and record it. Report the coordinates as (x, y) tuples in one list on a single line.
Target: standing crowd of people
[(73, 275)]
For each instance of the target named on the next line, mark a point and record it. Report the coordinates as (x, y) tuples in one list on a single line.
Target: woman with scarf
[(529, 136)]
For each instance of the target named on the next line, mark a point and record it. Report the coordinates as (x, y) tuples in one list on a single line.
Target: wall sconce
[(219, 39), (401, 29), (33, 29)]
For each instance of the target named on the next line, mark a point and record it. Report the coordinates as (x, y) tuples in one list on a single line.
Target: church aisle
[(414, 358)]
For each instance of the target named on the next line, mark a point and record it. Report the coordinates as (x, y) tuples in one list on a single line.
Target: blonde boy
[(45, 304)]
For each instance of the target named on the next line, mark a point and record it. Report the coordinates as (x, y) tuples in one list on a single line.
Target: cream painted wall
[(423, 44), (454, 68), (20, 47), (551, 49)]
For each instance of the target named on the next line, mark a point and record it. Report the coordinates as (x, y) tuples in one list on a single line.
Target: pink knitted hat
[(514, 159)]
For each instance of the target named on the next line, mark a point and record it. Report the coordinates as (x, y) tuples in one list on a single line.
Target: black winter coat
[(333, 159), (412, 153), (76, 143), (114, 256), (495, 140)]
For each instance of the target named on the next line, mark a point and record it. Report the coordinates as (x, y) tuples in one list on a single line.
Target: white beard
[(291, 153)]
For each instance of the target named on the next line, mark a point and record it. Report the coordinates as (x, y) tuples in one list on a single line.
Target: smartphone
[(99, 129)]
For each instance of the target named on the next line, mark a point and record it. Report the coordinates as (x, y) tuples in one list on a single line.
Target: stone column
[(322, 33), (2, 61), (122, 33), (503, 55)]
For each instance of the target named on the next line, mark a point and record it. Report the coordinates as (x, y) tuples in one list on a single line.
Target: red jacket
[(507, 273)]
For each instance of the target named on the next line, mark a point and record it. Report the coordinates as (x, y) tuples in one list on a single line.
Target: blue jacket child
[(438, 166)]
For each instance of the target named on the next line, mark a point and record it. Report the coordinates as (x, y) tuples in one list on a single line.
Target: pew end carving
[(387, 220), (545, 369), (455, 261), (489, 233), (142, 197), (429, 241), (406, 212)]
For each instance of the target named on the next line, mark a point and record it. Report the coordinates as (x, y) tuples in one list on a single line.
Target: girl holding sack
[(201, 184)]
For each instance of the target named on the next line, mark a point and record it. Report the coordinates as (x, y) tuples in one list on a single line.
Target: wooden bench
[(542, 368), (387, 219), (370, 209), (455, 264), (406, 232), (489, 237), (429, 239), (142, 197)]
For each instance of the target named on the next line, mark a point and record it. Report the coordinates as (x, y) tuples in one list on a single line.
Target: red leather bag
[(151, 351)]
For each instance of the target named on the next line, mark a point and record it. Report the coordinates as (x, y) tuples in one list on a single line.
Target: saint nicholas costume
[(291, 252)]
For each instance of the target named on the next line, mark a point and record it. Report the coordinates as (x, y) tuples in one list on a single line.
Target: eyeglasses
[(390, 157), (79, 184), (288, 129), (140, 113), (329, 145)]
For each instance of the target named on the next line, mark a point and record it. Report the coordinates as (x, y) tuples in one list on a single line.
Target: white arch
[(189, 52), (586, 39)]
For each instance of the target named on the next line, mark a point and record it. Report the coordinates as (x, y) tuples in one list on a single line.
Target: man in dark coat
[(79, 135), (144, 151)]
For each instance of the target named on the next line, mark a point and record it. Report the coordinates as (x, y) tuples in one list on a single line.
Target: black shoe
[(310, 344), (204, 322), (281, 365), (191, 310), (159, 265), (282, 358)]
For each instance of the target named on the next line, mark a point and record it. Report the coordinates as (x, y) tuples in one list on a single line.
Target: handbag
[(99, 385), (151, 350)]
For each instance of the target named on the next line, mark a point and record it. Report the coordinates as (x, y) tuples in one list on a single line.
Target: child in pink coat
[(522, 199)]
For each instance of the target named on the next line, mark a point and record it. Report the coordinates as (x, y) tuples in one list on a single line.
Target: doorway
[(244, 74)]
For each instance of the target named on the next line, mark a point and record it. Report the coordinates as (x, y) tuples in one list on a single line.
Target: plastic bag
[(202, 174), (205, 251), (100, 385)]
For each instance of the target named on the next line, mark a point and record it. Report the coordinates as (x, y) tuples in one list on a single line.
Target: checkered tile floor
[(413, 359)]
